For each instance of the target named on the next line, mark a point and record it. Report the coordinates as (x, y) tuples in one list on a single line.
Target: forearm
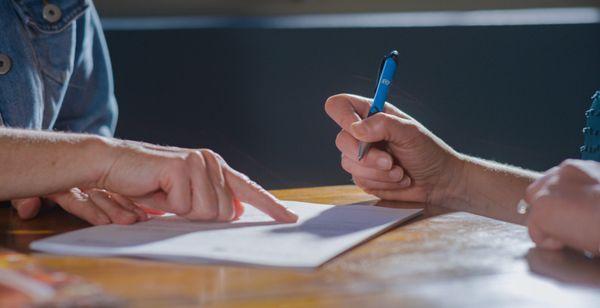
[(490, 189), (38, 163)]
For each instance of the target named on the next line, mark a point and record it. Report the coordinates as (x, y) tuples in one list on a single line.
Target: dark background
[(515, 94), (140, 8)]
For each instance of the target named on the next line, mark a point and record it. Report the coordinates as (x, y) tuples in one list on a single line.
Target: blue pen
[(386, 74)]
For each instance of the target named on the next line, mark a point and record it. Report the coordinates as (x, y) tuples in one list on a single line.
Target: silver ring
[(523, 207)]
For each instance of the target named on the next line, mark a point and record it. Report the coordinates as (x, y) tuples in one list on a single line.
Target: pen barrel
[(388, 69), (383, 86)]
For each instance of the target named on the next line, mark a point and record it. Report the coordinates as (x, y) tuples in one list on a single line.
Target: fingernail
[(291, 215), (26, 213), (396, 174), (550, 243), (405, 182), (384, 163), (359, 130)]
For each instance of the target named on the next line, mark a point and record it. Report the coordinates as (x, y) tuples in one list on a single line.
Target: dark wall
[(514, 94)]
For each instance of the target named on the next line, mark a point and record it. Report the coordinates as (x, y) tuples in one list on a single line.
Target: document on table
[(322, 232)]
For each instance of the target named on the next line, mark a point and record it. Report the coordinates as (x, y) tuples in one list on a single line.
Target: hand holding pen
[(411, 164)]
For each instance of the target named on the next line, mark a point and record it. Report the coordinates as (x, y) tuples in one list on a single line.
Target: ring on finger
[(523, 207)]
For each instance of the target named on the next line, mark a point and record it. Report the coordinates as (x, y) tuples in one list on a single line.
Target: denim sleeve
[(89, 104)]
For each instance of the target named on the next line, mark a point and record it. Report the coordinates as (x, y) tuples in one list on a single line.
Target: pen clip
[(394, 56), (379, 71)]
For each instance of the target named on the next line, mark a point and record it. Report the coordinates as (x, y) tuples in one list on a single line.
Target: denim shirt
[(60, 74), (591, 132)]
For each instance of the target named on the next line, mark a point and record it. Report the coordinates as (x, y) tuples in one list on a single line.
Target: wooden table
[(439, 259)]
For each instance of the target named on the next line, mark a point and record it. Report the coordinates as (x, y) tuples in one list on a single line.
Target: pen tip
[(361, 152)]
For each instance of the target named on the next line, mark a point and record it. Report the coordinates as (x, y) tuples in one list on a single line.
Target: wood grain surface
[(442, 258)]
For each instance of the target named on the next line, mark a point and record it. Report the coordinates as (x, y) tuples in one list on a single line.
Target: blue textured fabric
[(591, 147), (60, 77)]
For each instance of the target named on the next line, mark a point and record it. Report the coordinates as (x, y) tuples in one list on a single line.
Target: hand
[(409, 163), (95, 206), (195, 184), (565, 207)]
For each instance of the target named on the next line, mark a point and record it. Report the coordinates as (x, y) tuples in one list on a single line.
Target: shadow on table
[(566, 266), (321, 225)]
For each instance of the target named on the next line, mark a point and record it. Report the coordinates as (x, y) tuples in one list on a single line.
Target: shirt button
[(5, 64), (51, 13)]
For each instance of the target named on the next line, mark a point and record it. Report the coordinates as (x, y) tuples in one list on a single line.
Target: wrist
[(452, 184), (102, 153), (488, 188)]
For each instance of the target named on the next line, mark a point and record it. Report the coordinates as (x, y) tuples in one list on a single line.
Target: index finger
[(346, 109), (248, 191)]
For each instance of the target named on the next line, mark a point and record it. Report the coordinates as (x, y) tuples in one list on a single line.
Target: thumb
[(384, 127), (27, 208)]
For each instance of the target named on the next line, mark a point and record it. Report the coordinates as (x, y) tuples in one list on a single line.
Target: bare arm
[(490, 189), (38, 163)]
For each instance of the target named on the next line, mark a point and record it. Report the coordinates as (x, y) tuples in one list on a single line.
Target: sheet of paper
[(322, 232)]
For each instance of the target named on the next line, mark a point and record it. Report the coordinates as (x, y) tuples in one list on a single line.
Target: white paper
[(322, 232)]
